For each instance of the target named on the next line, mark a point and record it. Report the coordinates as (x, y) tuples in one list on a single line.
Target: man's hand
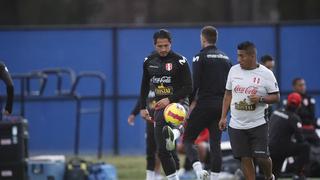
[(223, 124), (162, 103), (191, 107), (254, 99), (131, 119), (144, 113), (6, 113)]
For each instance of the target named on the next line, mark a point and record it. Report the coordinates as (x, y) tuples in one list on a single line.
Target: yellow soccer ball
[(175, 114)]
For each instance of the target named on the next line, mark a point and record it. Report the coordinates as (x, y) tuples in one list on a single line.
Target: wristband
[(261, 99)]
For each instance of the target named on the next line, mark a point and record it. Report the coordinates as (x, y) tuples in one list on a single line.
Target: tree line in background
[(140, 12)]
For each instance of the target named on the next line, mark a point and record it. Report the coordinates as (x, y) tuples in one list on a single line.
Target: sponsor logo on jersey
[(195, 59), (251, 90), (240, 78), (259, 152), (163, 90), (244, 106), (218, 56), (168, 66), (183, 60), (151, 66), (163, 79)]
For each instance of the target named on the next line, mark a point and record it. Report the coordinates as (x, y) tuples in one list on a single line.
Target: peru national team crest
[(168, 66)]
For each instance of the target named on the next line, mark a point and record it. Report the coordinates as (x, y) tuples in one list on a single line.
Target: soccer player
[(210, 71), (153, 165), (267, 61), (250, 87), (6, 78), (284, 125), (170, 75), (153, 162), (307, 111)]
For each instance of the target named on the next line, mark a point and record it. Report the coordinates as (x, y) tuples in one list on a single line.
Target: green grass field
[(129, 167), (133, 167)]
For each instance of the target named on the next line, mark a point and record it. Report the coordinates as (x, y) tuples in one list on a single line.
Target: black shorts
[(249, 142)]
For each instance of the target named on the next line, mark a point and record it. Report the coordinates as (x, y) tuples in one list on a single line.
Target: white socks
[(150, 175), (176, 133), (197, 166), (173, 177), (214, 176)]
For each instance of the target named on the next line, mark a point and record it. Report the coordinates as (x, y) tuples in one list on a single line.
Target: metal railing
[(27, 93)]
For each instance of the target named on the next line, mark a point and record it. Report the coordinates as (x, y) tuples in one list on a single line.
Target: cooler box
[(46, 168), (102, 171)]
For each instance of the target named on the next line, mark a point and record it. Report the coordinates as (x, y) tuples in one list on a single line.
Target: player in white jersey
[(250, 87)]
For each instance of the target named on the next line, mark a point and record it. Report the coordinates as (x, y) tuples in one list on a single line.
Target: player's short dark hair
[(248, 46), (266, 58), (210, 33), (295, 80), (161, 34)]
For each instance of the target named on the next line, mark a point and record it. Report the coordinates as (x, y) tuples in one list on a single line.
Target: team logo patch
[(168, 66)]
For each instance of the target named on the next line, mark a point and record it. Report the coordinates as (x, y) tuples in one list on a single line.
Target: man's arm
[(196, 72), (225, 108), (268, 99), (144, 90), (5, 76), (145, 86), (136, 110)]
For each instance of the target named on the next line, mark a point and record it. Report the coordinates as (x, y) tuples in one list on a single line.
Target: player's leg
[(151, 151), (172, 133), (260, 150), (241, 149), (195, 124), (157, 169), (301, 152), (206, 156), (215, 143), (277, 162), (167, 162), (176, 159), (248, 169)]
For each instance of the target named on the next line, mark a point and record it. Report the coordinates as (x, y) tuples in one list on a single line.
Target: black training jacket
[(169, 75), (210, 73)]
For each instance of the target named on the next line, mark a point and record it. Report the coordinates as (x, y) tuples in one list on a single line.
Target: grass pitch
[(133, 167)]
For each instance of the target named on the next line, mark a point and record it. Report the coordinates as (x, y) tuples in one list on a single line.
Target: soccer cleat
[(169, 138), (203, 175), (296, 177), (273, 177)]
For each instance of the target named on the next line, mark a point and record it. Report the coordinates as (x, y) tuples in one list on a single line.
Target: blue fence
[(119, 53)]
